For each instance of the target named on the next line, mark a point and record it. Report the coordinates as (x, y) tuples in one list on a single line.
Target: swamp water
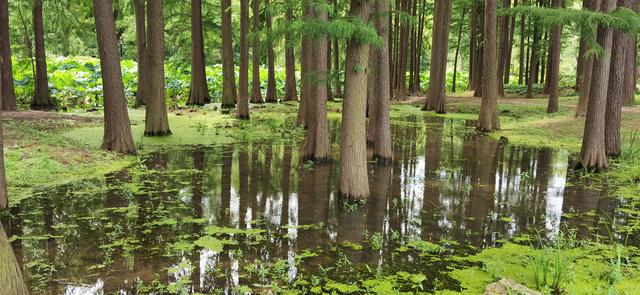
[(252, 217)]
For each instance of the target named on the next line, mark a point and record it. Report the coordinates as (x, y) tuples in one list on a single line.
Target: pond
[(254, 217)]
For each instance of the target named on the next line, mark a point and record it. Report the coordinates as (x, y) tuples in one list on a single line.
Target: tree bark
[(272, 95), (629, 95), (478, 70), (436, 100), (593, 153), (142, 53), (117, 128), (4, 198), (586, 71), (521, 58), (507, 65), (8, 91), (290, 89), (242, 112), (354, 180), (554, 62), (156, 119), (533, 60), (228, 71), (11, 279), (382, 151), (42, 96), (401, 65), (457, 54), (199, 93), (488, 119), (504, 45), (256, 91)]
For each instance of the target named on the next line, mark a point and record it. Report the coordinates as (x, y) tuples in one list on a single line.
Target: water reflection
[(135, 228)]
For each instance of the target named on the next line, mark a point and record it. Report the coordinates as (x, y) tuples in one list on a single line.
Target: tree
[(11, 279), (439, 53), (593, 153), (533, 60), (354, 181), (256, 91), (142, 52), (290, 89), (243, 89), (554, 61), (457, 54), (117, 128), (8, 92), (379, 117), (156, 119), (228, 72), (199, 93), (42, 97), (272, 95), (4, 199), (488, 120)]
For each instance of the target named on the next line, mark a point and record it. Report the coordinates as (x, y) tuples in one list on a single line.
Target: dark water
[(133, 231)]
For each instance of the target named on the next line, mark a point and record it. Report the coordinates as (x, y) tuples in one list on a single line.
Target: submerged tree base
[(381, 160), (228, 105), (157, 133)]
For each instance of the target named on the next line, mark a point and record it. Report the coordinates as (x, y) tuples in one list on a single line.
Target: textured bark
[(8, 93), (554, 62), (401, 65), (457, 54), (117, 128), (629, 96), (242, 112), (436, 100), (473, 45), (256, 91), (4, 198), (507, 65), (156, 120), (521, 58), (10, 274), (272, 94), (586, 72), (228, 71), (382, 151), (488, 119), (533, 60), (199, 93), (582, 49), (290, 89), (143, 55), (42, 96), (336, 68), (593, 153), (504, 45), (478, 67), (329, 71), (354, 180)]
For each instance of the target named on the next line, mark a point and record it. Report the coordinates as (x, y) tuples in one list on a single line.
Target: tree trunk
[(242, 112), (272, 95), (436, 100), (478, 71), (330, 72), (8, 93), (457, 54), (42, 97), (488, 119), (228, 71), (117, 128), (473, 46), (142, 53), (521, 58), (401, 83), (336, 68), (290, 89), (504, 43), (593, 153), (199, 93), (256, 91), (629, 96), (533, 60), (507, 65), (554, 62), (586, 71), (11, 279), (382, 151), (4, 198), (156, 120), (354, 180), (582, 49)]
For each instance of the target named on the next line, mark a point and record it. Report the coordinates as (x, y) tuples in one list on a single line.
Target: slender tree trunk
[(382, 151), (504, 43), (479, 59), (533, 60), (330, 72), (457, 54), (488, 119), (290, 89), (473, 46), (42, 97), (199, 93), (629, 96), (256, 91), (242, 112), (229, 93), (142, 53), (554, 62), (439, 53), (8, 93), (354, 180), (582, 49), (521, 58), (401, 84), (156, 119), (4, 198), (586, 71), (336, 68), (117, 128), (593, 153), (507, 65), (272, 95), (11, 279)]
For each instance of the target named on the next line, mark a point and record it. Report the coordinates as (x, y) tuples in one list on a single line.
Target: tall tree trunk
[(401, 84), (242, 112), (11, 279), (533, 60), (156, 119), (521, 58), (4, 198), (199, 93), (117, 128), (382, 151), (507, 65), (554, 62), (457, 54), (329, 71), (504, 45), (42, 96), (629, 96), (354, 180), (478, 71), (488, 119), (142, 53), (473, 46), (593, 153), (336, 68), (586, 71), (436, 100), (290, 89), (229, 93), (272, 94), (8, 93), (256, 91)]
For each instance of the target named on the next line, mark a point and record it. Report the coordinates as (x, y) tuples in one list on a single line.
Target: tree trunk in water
[(317, 146), (42, 97), (354, 180), (436, 100), (156, 120), (8, 93), (228, 71), (117, 128), (382, 151), (11, 276), (290, 89), (593, 153), (256, 91), (554, 62), (142, 54), (488, 119), (504, 43), (586, 71), (457, 54), (242, 112), (199, 93), (272, 95)]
